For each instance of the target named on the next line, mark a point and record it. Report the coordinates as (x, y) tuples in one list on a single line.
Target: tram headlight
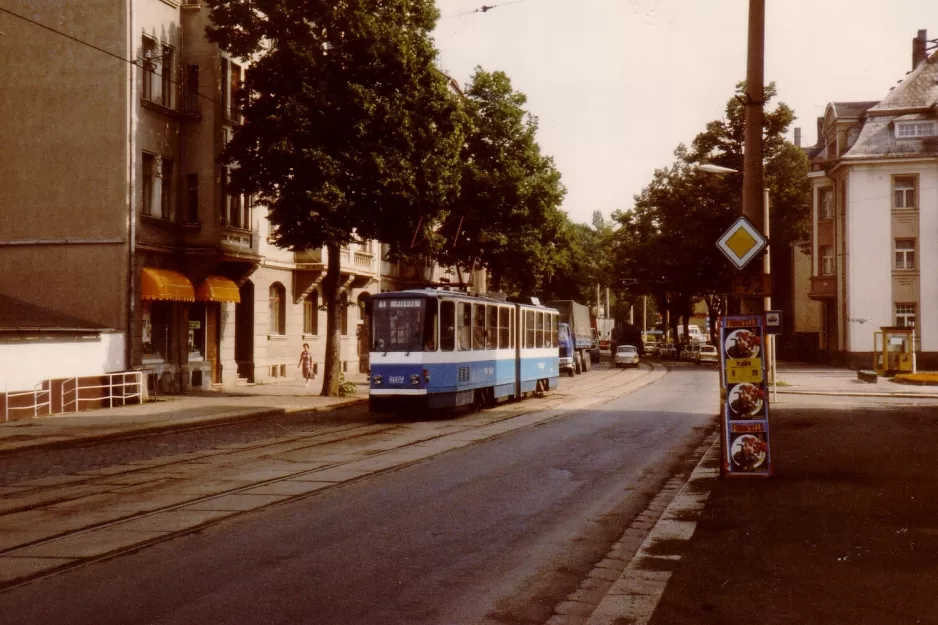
[(415, 379), (377, 379)]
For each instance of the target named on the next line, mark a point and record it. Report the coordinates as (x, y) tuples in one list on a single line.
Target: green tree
[(667, 242), (507, 215), (350, 132)]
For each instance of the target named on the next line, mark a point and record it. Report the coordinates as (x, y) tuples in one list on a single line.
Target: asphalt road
[(498, 532)]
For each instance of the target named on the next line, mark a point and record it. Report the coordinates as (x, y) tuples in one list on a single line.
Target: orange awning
[(218, 289), (165, 284)]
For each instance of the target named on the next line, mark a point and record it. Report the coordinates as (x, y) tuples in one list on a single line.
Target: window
[(235, 209), (478, 326), (166, 188), (909, 130), (904, 188), (491, 327), (905, 315), (539, 334), (166, 77), (149, 169), (827, 260), (154, 330), (554, 330), (504, 314), (311, 314), (197, 331), (231, 85), (464, 320), (448, 326), (278, 309), (529, 329), (343, 313), (192, 198), (905, 253), (191, 95), (150, 65), (826, 203)]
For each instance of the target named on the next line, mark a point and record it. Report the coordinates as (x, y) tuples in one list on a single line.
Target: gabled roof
[(19, 316), (851, 110)]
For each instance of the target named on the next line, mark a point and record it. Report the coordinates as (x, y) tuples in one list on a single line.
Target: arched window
[(343, 312), (278, 309), (311, 314)]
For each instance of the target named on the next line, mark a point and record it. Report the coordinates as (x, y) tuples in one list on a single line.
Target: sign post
[(744, 402)]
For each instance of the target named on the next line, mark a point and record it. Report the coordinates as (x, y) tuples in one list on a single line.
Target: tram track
[(372, 460)]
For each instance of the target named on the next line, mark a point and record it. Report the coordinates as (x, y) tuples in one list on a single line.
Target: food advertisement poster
[(745, 402)]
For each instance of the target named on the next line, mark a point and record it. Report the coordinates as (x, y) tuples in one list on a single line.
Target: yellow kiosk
[(894, 350)]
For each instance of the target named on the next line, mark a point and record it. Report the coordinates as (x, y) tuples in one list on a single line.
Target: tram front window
[(404, 325)]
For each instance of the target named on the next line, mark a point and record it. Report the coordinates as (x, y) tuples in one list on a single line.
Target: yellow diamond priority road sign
[(741, 242)]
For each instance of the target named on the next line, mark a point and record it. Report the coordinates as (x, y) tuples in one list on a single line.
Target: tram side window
[(464, 321), (478, 327), (548, 335), (430, 327), (511, 326), (529, 330), (554, 330), (504, 314), (491, 327), (448, 326), (539, 337)]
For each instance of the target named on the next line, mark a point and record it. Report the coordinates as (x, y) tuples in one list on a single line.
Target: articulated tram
[(436, 349)]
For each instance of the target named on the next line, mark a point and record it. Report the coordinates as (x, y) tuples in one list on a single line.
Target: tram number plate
[(396, 379)]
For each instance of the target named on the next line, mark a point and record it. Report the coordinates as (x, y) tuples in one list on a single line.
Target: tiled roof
[(17, 315), (918, 90)]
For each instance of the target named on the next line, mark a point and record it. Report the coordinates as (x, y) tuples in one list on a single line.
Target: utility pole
[(752, 158)]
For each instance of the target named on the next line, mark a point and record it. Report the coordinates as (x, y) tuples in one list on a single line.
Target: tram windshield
[(404, 325)]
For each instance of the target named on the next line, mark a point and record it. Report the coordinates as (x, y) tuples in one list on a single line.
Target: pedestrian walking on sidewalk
[(306, 361)]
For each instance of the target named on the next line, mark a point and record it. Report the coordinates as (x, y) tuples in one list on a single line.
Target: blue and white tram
[(442, 349)]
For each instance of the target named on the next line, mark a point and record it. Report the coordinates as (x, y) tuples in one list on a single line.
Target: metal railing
[(116, 391), (37, 393)]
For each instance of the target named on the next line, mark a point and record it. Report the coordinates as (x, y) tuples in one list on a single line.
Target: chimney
[(797, 137), (918, 48)]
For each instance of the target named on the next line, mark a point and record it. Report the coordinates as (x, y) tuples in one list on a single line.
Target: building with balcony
[(874, 244), (115, 212)]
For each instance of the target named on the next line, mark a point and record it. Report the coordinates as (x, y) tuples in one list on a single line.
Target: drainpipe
[(131, 196)]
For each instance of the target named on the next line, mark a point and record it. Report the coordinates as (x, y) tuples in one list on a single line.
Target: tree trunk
[(330, 292)]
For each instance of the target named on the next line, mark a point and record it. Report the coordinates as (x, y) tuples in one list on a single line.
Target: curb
[(172, 427), (859, 394)]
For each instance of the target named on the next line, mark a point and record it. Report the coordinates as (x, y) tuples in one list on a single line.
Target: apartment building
[(874, 244), (120, 245)]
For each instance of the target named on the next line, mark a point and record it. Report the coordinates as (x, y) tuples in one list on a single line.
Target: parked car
[(626, 356), (707, 354), (650, 347)]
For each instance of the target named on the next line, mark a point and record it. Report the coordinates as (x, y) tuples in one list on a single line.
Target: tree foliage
[(507, 215), (667, 243), (350, 132)]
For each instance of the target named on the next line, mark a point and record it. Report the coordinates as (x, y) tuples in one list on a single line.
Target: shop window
[(197, 331), (155, 331)]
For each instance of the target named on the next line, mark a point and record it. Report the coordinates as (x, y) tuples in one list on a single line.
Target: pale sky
[(618, 84)]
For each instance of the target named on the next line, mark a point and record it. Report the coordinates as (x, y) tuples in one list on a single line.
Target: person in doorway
[(306, 362)]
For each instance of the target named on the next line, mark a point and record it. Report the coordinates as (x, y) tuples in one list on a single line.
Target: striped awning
[(165, 284), (218, 289)]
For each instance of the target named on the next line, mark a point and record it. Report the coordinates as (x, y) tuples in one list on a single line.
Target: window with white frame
[(905, 253), (905, 315), (904, 191), (827, 260), (911, 130), (231, 86), (826, 203)]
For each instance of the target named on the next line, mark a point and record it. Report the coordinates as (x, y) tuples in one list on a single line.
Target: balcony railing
[(823, 287), (365, 261)]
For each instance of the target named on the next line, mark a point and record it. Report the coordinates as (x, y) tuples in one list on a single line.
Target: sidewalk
[(819, 379), (175, 412)]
